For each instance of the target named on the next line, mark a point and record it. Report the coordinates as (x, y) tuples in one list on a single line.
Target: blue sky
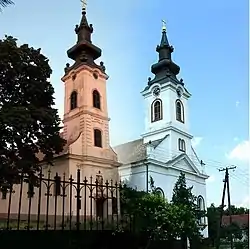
[(211, 46)]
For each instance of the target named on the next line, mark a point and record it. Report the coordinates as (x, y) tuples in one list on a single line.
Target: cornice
[(82, 68), (93, 159), (168, 128), (81, 112), (165, 86), (82, 159)]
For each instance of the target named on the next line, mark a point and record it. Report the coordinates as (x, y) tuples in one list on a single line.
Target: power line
[(208, 162)]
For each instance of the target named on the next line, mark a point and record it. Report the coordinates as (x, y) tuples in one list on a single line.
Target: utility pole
[(226, 186)]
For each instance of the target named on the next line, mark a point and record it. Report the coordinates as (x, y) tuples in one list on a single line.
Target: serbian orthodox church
[(164, 149), (86, 130)]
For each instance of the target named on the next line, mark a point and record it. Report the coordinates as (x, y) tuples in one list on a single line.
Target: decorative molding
[(81, 69), (168, 128), (94, 159), (82, 112), (164, 87)]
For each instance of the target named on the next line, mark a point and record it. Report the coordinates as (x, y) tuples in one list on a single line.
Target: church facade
[(86, 130), (164, 149)]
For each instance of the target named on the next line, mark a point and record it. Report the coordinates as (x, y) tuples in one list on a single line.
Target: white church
[(164, 149)]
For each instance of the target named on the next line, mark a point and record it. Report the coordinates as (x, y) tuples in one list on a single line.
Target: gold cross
[(164, 27), (84, 4)]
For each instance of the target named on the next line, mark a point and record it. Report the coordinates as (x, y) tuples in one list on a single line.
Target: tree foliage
[(183, 197), (213, 214), (28, 122), (236, 210), (157, 217)]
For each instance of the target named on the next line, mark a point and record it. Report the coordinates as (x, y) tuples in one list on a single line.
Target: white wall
[(135, 176), (163, 177), (174, 143), (168, 96)]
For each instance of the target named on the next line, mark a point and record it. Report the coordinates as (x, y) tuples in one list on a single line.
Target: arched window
[(73, 100), (96, 99), (182, 145), (179, 111), (201, 207), (156, 111), (97, 138), (159, 192)]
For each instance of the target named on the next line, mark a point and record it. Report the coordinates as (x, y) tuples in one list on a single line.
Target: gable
[(183, 163)]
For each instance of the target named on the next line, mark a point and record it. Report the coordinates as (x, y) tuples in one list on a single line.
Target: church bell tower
[(85, 99), (166, 102)]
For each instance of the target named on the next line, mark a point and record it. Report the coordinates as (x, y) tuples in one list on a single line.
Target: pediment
[(185, 164)]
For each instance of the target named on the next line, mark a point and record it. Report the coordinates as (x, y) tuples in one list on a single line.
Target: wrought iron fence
[(63, 203)]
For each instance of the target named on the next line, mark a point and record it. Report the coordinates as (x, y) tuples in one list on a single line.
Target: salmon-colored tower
[(85, 102)]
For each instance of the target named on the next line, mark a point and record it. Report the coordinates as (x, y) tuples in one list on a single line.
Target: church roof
[(84, 52), (241, 220), (134, 151), (165, 70), (156, 142), (130, 152)]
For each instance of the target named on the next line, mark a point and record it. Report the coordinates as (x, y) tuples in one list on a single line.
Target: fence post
[(78, 200)]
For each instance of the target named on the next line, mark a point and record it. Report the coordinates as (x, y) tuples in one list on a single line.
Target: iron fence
[(61, 203)]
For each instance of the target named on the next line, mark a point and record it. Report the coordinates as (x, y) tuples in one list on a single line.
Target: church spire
[(165, 66), (84, 51)]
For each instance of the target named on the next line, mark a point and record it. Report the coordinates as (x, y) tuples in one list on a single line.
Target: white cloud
[(211, 179), (245, 202), (241, 151), (196, 141), (237, 103)]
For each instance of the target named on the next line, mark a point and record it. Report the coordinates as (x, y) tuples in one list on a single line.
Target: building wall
[(57, 205), (168, 96), (134, 176), (89, 172), (85, 118), (31, 205)]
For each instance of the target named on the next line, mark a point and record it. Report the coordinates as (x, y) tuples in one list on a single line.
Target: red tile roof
[(242, 220)]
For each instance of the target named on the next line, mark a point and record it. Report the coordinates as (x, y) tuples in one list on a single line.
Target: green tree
[(236, 210), (28, 122), (153, 215), (233, 229), (183, 197), (213, 215)]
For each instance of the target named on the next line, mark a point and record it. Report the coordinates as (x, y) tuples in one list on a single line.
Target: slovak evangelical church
[(162, 152), (164, 149)]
